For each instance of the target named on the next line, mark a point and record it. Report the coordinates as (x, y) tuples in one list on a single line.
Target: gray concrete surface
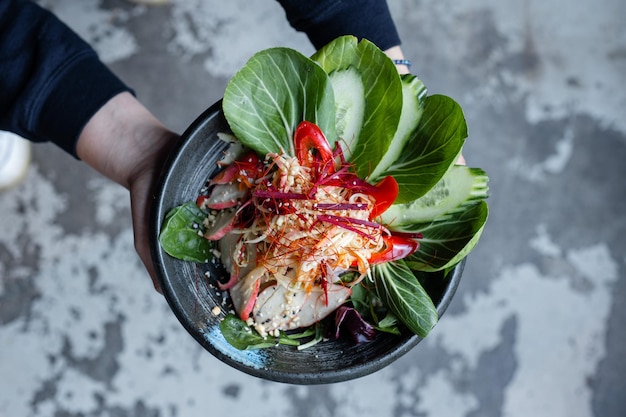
[(537, 326)]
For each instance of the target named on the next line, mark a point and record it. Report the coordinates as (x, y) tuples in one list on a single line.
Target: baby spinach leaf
[(360, 298), (242, 337), (277, 89), (403, 294), (179, 235)]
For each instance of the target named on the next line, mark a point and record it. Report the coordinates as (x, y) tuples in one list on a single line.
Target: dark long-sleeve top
[(324, 20), (52, 82)]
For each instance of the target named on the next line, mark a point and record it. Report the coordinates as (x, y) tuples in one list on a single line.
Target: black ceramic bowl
[(192, 296)]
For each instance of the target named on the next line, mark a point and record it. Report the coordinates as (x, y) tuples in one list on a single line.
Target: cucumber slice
[(350, 106), (460, 186), (413, 96)]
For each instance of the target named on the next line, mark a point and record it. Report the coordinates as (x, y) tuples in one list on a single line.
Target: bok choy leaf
[(433, 149), (403, 294), (277, 89)]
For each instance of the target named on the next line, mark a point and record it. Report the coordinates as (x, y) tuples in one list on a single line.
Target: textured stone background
[(536, 328)]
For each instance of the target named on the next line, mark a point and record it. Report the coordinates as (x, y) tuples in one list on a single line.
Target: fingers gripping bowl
[(407, 145)]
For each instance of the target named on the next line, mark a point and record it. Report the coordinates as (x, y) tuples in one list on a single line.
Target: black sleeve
[(51, 81), (325, 20)]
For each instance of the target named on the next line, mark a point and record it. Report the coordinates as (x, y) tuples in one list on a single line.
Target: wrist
[(396, 54), (123, 139)]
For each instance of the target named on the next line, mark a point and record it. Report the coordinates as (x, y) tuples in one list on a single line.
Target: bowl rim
[(159, 258)]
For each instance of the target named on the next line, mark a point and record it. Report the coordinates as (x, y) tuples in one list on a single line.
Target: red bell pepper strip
[(396, 247), (385, 193)]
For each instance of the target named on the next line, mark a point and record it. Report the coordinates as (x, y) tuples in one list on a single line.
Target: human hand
[(142, 190), (127, 144)]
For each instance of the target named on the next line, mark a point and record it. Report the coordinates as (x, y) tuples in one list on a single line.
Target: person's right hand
[(127, 144)]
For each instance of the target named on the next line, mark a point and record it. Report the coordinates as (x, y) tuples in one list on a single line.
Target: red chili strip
[(341, 222), (352, 220)]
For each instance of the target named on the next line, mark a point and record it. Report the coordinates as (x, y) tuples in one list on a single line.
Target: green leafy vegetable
[(242, 337), (403, 294), (413, 97), (179, 235), (276, 90), (388, 324), (316, 334), (432, 150), (448, 240), (367, 303), (383, 98)]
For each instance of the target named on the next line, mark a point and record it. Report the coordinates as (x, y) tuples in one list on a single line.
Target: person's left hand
[(127, 144)]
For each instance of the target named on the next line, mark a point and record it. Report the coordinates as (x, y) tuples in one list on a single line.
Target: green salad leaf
[(403, 294), (413, 97), (366, 144), (432, 150), (179, 235), (449, 239), (367, 303), (277, 89), (241, 336)]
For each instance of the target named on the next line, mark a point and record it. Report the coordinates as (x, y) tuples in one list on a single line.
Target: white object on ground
[(14, 159)]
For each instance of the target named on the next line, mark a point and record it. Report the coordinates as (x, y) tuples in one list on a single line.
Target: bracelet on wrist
[(403, 62)]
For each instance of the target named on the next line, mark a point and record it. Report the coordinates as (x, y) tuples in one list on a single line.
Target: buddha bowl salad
[(338, 191)]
